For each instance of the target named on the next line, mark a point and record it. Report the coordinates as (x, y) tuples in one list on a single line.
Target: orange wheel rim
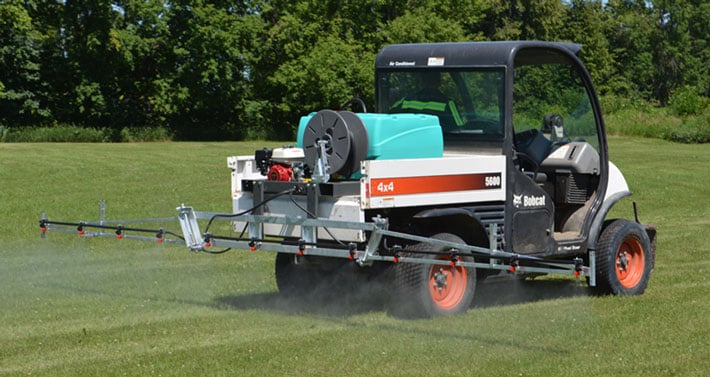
[(630, 262), (447, 285)]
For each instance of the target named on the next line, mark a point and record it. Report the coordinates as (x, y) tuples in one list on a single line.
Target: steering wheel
[(525, 161)]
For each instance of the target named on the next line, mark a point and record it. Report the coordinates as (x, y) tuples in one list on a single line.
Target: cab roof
[(474, 54)]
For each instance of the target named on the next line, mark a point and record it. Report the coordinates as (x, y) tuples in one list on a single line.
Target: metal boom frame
[(362, 254)]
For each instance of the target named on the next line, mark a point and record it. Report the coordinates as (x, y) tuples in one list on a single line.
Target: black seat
[(532, 146)]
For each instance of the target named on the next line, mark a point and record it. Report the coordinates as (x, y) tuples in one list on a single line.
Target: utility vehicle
[(481, 158)]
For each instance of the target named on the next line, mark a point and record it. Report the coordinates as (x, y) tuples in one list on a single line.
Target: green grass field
[(102, 307)]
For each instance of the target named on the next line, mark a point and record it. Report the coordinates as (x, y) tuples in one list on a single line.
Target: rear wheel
[(424, 290), (315, 280), (295, 280), (624, 259)]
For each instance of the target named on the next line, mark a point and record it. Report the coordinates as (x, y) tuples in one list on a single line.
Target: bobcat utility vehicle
[(481, 158)]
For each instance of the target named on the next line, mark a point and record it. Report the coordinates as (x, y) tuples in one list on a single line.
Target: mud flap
[(651, 231)]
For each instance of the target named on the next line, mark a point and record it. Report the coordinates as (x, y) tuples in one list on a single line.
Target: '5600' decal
[(431, 184)]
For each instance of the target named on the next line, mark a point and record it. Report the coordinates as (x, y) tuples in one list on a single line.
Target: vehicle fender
[(616, 183), (616, 189), (457, 221)]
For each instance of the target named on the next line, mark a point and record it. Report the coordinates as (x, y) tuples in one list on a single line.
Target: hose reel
[(335, 143)]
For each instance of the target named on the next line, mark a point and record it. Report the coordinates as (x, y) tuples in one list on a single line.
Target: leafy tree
[(224, 69), (325, 77), (320, 53), (525, 19), (142, 55), (679, 48), (587, 16), (21, 90), (211, 56), (699, 30), (440, 21), (421, 25), (314, 54), (90, 69), (630, 42)]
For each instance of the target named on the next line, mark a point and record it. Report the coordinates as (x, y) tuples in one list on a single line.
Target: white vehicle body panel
[(418, 182), (617, 183), (384, 184)]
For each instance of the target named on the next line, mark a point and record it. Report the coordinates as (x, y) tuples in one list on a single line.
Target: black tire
[(315, 279), (624, 259), (414, 298), (295, 281)]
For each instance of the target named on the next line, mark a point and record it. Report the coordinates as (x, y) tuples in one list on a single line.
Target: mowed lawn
[(103, 307)]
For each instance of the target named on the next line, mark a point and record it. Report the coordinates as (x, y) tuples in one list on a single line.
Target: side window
[(552, 99), (485, 89)]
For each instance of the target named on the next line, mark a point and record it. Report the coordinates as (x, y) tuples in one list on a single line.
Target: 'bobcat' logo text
[(528, 201)]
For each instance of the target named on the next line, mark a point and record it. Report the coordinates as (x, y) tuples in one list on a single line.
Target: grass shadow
[(340, 305), (511, 290), (495, 291)]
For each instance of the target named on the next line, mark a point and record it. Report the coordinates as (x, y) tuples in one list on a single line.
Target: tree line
[(249, 69)]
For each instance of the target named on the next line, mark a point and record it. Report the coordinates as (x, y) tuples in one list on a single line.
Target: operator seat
[(532, 147)]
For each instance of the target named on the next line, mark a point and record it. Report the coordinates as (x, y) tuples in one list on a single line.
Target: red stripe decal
[(431, 184)]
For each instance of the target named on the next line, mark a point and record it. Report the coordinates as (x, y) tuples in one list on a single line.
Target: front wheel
[(624, 259), (424, 290)]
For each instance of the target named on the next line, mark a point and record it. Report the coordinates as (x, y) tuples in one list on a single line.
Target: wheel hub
[(623, 261), (440, 278)]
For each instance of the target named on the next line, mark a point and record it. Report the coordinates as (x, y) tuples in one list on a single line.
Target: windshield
[(468, 103)]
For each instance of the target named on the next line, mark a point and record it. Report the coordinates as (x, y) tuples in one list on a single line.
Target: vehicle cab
[(532, 102)]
